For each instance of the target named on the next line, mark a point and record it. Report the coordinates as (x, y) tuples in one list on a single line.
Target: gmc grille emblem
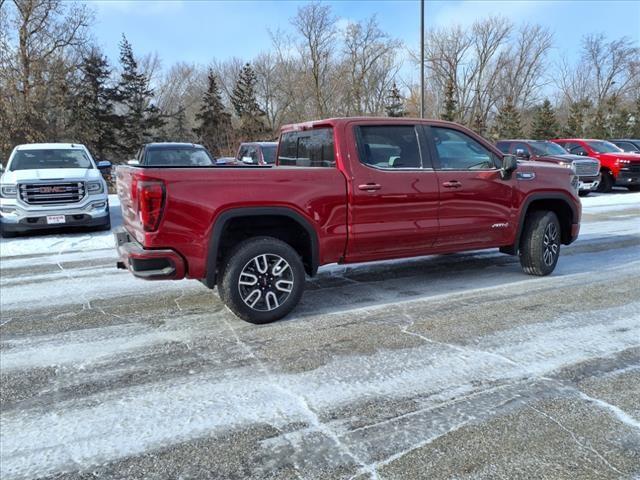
[(52, 189)]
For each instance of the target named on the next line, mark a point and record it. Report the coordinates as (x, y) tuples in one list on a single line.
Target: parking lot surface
[(452, 366)]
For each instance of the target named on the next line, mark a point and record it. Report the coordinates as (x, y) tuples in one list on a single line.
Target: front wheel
[(540, 243), (262, 280), (606, 183), (584, 193)]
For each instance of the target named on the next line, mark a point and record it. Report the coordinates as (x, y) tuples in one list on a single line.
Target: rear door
[(475, 202), (393, 191)]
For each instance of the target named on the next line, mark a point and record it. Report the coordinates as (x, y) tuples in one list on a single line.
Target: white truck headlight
[(94, 187), (8, 191)]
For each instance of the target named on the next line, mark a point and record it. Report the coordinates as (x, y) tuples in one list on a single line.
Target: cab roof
[(50, 146)]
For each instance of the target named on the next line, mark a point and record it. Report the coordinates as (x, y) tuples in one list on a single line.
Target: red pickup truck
[(344, 190), (617, 167)]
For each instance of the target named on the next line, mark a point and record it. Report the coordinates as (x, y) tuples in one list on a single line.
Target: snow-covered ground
[(447, 366)]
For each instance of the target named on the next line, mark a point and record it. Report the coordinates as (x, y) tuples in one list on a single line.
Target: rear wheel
[(540, 243), (606, 182), (262, 280)]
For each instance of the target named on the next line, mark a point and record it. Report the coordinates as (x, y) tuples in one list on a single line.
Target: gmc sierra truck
[(52, 185), (343, 191), (617, 167), (587, 169)]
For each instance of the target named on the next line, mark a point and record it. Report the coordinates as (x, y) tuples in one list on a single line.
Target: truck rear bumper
[(152, 264)]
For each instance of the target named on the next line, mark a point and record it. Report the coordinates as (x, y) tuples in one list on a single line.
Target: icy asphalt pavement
[(456, 366)]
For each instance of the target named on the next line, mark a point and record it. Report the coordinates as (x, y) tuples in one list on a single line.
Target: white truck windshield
[(52, 158)]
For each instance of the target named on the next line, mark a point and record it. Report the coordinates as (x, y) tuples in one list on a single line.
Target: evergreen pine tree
[(545, 125), (598, 126), (575, 120), (395, 103), (508, 120), (213, 123), (245, 104), (180, 132), (620, 125), (635, 131), (450, 105), (140, 119), (93, 118)]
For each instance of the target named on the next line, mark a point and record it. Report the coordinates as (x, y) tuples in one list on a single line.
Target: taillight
[(150, 195)]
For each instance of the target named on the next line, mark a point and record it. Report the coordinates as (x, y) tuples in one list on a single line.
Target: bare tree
[(612, 64), (525, 66), (370, 58), (37, 62), (316, 24)]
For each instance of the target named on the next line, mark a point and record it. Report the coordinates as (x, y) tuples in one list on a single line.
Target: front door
[(476, 204), (394, 192)]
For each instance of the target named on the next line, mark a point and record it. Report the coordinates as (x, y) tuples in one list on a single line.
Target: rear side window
[(308, 148), (389, 146)]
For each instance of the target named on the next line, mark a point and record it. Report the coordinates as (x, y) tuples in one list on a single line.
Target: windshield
[(600, 146), (53, 158), (269, 154), (178, 157), (547, 148)]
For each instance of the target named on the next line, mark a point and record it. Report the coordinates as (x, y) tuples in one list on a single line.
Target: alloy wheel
[(265, 282)]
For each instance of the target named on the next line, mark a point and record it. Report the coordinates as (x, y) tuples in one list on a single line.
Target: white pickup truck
[(48, 185)]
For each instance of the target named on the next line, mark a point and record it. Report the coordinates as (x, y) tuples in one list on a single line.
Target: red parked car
[(344, 190), (617, 167)]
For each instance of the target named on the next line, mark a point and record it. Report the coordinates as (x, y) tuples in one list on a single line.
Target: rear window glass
[(175, 157), (309, 148), (53, 158)]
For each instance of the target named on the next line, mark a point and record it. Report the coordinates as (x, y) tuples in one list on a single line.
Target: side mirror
[(133, 162), (521, 153), (104, 164), (509, 165)]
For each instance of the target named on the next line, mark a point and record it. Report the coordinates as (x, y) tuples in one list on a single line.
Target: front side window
[(503, 146), (600, 146), (178, 157), (269, 154), (53, 158), (307, 148), (577, 149), (458, 151), (389, 146)]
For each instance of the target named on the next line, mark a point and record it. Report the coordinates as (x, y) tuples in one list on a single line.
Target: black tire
[(248, 259), (634, 188), (539, 245), (5, 234), (584, 193), (606, 182), (105, 226)]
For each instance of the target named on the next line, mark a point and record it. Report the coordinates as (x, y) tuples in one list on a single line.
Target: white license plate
[(55, 219)]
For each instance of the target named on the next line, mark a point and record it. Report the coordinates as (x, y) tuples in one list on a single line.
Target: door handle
[(369, 187), (452, 184)]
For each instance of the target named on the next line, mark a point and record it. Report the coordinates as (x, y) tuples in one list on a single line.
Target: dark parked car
[(627, 144), (587, 169), (166, 154)]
